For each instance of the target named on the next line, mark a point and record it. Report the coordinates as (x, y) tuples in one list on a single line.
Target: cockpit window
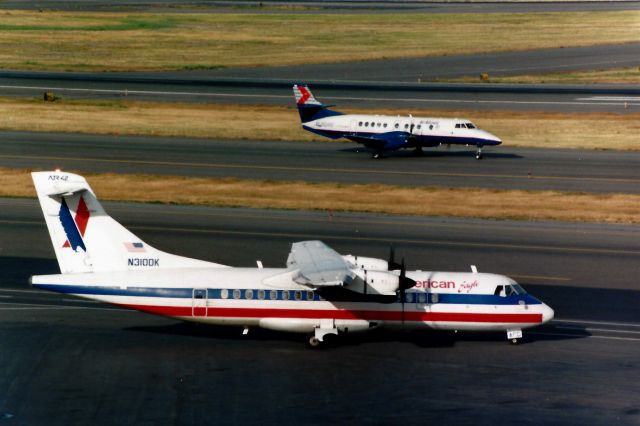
[(509, 290), (518, 289), (457, 125), (470, 126)]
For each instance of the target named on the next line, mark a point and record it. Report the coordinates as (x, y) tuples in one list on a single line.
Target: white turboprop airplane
[(320, 292), (388, 133)]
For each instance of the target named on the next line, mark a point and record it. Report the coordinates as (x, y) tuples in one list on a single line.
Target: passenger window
[(298, 295), (406, 126), (366, 124), (309, 295), (236, 294), (418, 126), (248, 294), (397, 125), (224, 293), (273, 294), (379, 124), (422, 297), (431, 127), (408, 297), (385, 125), (261, 294), (285, 295)]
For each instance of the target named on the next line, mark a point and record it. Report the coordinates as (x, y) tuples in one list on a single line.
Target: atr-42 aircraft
[(320, 292), (387, 133)]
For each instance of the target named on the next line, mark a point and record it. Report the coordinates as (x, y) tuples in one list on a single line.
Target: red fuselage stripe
[(187, 311)]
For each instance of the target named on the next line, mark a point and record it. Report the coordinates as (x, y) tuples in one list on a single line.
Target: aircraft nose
[(547, 313), (491, 137)]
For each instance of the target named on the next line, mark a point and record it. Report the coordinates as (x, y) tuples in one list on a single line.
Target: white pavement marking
[(618, 324), (333, 98), (629, 339)]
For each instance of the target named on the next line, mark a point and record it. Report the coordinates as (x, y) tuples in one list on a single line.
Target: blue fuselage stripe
[(292, 295)]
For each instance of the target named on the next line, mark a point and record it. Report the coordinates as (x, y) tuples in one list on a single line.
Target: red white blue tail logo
[(304, 96), (74, 228)]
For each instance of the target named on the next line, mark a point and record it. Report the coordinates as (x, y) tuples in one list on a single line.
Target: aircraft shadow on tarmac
[(439, 153), (426, 339)]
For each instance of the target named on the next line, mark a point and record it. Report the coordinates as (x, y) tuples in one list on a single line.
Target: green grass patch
[(124, 24)]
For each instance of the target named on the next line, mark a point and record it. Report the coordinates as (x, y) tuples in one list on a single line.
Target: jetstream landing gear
[(479, 152), (377, 155)]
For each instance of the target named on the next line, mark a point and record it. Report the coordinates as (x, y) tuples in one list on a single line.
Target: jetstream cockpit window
[(470, 126)]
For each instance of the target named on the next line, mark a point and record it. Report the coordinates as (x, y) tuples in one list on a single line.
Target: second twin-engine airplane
[(387, 133), (320, 292)]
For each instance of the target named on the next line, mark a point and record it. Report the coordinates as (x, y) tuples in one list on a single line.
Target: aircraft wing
[(318, 265), (389, 140)]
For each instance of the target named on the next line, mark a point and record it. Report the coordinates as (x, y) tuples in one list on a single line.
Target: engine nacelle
[(361, 262), (375, 282)]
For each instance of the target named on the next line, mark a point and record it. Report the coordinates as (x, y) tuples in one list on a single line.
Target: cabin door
[(199, 302), (353, 127)]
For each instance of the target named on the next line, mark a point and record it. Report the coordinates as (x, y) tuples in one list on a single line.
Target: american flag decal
[(135, 247)]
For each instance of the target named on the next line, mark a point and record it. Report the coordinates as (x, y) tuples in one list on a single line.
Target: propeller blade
[(391, 264), (405, 282)]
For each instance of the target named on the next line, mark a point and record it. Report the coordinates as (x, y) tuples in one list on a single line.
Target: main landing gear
[(377, 155), (323, 335), (479, 152)]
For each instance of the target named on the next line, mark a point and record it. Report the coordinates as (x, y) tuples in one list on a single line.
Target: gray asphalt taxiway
[(503, 167), (66, 361)]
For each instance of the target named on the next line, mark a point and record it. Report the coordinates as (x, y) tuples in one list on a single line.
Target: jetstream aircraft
[(386, 133), (320, 292)]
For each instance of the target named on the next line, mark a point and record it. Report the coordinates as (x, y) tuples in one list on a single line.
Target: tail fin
[(86, 239), (308, 106)]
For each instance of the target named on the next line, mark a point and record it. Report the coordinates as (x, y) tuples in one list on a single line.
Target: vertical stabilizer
[(86, 239), (308, 106)]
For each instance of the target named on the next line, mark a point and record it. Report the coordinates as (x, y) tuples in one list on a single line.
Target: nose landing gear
[(479, 152)]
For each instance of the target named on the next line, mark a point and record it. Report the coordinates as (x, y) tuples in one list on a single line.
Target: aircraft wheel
[(478, 156), (377, 155), (314, 342), (514, 341)]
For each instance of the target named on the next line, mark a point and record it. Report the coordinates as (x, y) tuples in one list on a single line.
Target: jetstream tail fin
[(86, 239), (308, 106)]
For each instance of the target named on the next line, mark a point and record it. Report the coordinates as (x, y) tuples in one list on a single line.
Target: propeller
[(404, 284), (391, 264)]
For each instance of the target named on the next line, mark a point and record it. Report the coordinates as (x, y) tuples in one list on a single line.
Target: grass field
[(147, 41), (546, 130), (617, 75), (434, 201)]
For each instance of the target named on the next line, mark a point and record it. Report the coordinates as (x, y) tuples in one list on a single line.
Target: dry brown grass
[(547, 130), (148, 41), (465, 202)]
